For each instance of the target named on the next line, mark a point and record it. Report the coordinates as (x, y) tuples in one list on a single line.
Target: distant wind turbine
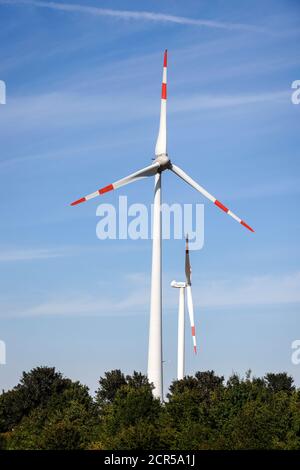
[(184, 286), (161, 163)]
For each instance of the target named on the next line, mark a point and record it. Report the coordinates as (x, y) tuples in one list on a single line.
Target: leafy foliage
[(48, 411), (35, 389), (279, 382), (108, 386)]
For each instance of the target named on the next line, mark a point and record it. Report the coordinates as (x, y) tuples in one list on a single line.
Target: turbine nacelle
[(178, 285)]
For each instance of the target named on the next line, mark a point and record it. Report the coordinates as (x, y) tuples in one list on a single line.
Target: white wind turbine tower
[(159, 165), (184, 286)]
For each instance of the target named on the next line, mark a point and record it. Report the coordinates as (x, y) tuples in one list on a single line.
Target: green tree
[(293, 435), (35, 388), (11, 410), (108, 386), (47, 411), (143, 435), (62, 436), (130, 414), (57, 406), (204, 383), (279, 382)]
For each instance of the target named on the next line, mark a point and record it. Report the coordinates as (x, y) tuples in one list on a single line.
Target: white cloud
[(49, 112), (81, 306), (203, 101), (275, 188), (135, 15), (253, 291), (237, 293), (135, 302), (8, 254)]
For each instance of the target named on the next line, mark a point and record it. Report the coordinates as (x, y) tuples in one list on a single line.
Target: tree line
[(49, 411)]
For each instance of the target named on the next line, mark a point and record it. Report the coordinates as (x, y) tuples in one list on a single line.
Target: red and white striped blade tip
[(99, 192), (79, 201), (195, 349), (247, 226), (225, 209), (166, 58)]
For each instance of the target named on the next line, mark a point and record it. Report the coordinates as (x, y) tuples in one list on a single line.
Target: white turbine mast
[(184, 286), (160, 164)]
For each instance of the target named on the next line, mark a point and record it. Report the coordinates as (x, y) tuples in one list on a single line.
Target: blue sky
[(83, 86)]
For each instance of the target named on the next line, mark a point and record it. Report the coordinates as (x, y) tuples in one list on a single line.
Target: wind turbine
[(182, 286), (161, 163)]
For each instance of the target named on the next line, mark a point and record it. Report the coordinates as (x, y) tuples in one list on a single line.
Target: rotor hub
[(164, 161)]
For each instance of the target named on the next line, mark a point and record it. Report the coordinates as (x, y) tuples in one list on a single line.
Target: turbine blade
[(179, 172), (143, 173), (188, 269), (161, 143), (190, 308)]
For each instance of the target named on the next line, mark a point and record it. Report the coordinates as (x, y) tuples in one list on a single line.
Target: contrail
[(134, 15)]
